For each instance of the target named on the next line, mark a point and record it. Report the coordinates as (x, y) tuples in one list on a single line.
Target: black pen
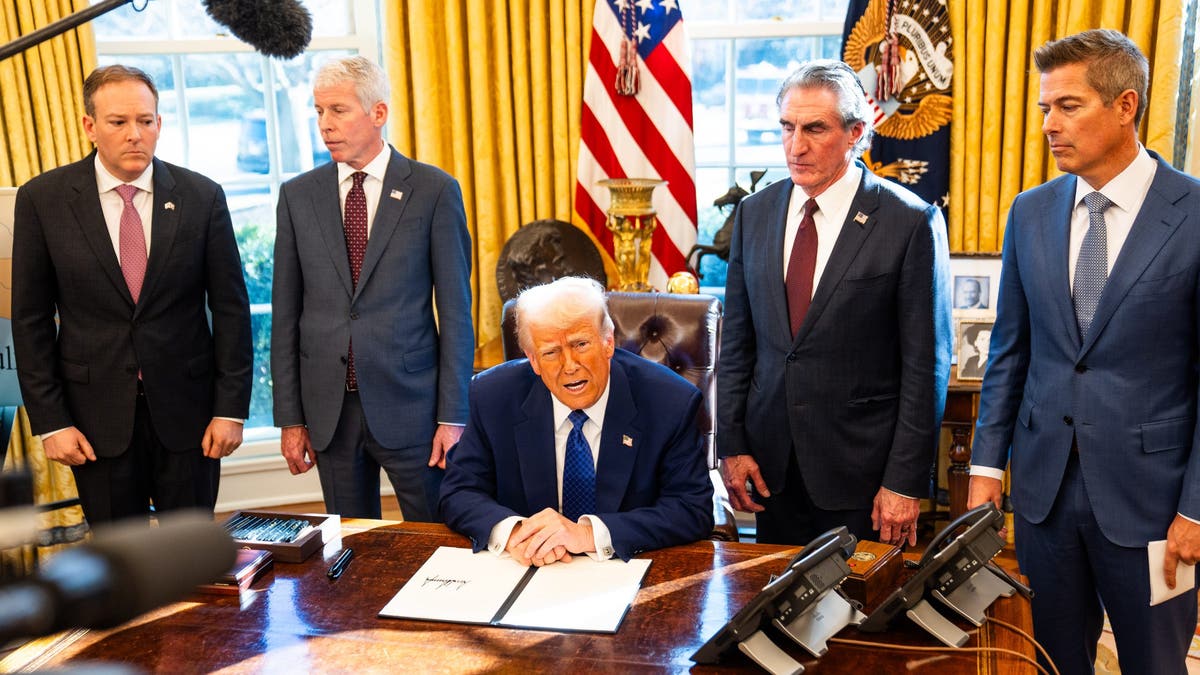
[(340, 565)]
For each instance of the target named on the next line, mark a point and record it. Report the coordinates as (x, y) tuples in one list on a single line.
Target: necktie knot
[(127, 192), (578, 418), (358, 177), (1096, 203), (810, 207)]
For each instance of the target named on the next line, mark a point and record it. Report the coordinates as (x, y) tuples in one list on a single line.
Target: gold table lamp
[(632, 220)]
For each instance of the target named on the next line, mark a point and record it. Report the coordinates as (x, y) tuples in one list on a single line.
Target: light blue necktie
[(579, 471), (1091, 268)]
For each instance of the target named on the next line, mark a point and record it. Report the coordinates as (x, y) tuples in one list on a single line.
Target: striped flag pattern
[(648, 135)]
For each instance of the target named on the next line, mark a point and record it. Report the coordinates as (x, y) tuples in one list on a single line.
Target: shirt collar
[(835, 197), (376, 168), (595, 412), (1127, 188), (105, 181)]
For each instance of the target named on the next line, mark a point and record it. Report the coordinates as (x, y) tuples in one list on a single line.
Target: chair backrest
[(681, 332)]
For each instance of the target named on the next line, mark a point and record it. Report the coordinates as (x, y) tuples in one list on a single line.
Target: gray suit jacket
[(412, 372), (83, 372), (858, 394), (1128, 393)]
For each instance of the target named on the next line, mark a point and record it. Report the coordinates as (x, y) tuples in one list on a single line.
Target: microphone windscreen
[(153, 566), (280, 28)]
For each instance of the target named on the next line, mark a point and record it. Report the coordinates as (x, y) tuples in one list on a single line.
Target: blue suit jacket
[(650, 493), (412, 373), (858, 394), (1128, 393)]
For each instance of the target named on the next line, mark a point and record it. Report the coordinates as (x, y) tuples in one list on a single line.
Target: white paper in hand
[(1185, 575)]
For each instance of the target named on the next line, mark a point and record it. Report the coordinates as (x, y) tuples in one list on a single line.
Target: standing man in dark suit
[(836, 346), (1091, 388), (581, 447), (134, 389), (366, 246)]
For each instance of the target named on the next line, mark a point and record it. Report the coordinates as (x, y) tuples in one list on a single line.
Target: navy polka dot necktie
[(579, 471), (1091, 267)]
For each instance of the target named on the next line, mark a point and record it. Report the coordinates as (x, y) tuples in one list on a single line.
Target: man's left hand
[(444, 438), (548, 537), (895, 516), (221, 438), (1183, 546)]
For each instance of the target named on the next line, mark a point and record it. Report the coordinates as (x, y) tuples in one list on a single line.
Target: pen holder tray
[(325, 528)]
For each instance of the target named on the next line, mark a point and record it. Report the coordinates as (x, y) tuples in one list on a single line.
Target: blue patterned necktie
[(1091, 268), (579, 471)]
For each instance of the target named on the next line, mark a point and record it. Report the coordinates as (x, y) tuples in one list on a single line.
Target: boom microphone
[(127, 570), (280, 28)]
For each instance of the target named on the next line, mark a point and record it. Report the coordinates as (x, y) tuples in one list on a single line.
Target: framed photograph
[(974, 281), (971, 343)]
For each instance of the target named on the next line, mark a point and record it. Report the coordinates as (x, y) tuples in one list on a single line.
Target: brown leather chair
[(681, 332)]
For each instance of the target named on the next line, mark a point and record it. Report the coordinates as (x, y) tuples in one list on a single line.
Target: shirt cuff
[(600, 537), (987, 471), (1193, 520), (452, 424), (901, 494), (48, 434), (230, 419), (501, 531)]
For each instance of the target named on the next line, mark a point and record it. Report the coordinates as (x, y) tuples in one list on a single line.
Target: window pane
[(330, 17), (125, 22), (779, 10), (712, 185), (253, 213), (190, 20), (762, 65), (710, 101), (707, 10), (224, 94)]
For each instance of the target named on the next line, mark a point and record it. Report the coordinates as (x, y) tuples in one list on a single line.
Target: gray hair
[(1114, 64), (837, 77), (559, 304), (369, 80)]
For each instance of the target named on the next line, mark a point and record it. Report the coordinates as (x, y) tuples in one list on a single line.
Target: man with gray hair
[(581, 447), (836, 347), (1090, 396), (366, 248)]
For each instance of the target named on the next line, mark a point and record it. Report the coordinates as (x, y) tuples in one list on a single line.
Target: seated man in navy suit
[(582, 447)]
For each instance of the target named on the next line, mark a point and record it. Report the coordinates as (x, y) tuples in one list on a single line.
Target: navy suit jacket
[(83, 371), (412, 372), (858, 394), (651, 492), (1128, 393)]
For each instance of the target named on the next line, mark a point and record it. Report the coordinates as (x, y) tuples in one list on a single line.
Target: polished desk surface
[(296, 620)]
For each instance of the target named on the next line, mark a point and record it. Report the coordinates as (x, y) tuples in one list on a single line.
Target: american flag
[(647, 135)]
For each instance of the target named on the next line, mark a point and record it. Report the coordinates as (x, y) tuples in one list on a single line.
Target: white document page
[(1185, 575), (457, 585), (581, 595)]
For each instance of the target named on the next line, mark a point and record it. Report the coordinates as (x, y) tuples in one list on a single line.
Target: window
[(240, 118), (741, 52)]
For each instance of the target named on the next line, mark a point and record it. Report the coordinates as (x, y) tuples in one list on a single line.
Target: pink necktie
[(355, 223), (802, 266), (132, 243)]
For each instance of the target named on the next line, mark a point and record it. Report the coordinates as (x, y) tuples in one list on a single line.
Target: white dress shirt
[(375, 169), (112, 205), (832, 206), (562, 429)]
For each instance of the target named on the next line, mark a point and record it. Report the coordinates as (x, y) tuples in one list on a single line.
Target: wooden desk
[(299, 621)]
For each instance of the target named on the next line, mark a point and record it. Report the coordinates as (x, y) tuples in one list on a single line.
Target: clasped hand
[(548, 537)]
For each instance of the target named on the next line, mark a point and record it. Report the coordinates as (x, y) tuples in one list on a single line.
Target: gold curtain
[(42, 90), (490, 91), (41, 104), (996, 147)]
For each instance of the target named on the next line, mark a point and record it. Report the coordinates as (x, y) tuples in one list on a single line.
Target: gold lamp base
[(632, 220)]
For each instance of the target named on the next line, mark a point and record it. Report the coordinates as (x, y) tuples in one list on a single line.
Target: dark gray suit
[(856, 397), (412, 372), (84, 371)]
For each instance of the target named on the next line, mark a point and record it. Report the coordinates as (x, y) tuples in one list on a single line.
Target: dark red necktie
[(355, 223), (801, 268)]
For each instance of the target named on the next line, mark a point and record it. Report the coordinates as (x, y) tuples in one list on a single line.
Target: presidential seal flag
[(901, 50), (637, 123)]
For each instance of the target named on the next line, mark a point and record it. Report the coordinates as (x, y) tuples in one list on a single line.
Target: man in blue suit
[(582, 447), (1091, 390), (836, 345), (365, 247)]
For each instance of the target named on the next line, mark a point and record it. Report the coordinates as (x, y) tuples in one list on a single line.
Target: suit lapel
[(534, 438), (325, 203), (855, 231), (616, 462), (84, 202), (776, 229), (1155, 223), (1055, 255), (164, 226), (392, 201)]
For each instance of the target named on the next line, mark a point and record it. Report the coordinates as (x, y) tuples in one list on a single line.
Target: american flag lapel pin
[(170, 206), (626, 441), (397, 195), (860, 217)]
